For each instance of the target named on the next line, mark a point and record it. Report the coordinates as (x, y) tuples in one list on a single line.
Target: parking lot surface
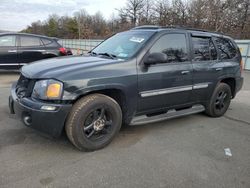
[(184, 152)]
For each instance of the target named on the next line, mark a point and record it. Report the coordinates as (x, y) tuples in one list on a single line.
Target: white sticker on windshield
[(137, 39), (122, 55)]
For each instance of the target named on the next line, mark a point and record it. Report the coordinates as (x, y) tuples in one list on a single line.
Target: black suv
[(17, 49), (139, 76)]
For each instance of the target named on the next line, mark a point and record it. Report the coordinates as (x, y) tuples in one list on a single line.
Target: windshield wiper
[(92, 53), (108, 55)]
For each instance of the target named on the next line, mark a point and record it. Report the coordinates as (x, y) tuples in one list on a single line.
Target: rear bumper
[(49, 122), (238, 85)]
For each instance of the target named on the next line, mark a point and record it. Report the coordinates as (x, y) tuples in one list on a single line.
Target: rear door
[(166, 84), (30, 49), (8, 52), (207, 69)]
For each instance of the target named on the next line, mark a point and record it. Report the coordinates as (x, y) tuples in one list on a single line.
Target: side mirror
[(156, 58)]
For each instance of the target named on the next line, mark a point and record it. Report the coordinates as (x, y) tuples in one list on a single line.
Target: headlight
[(48, 90)]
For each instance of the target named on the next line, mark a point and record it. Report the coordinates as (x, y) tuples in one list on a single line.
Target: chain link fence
[(79, 46), (244, 46)]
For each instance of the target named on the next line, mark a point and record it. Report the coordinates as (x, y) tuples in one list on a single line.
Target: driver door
[(166, 84)]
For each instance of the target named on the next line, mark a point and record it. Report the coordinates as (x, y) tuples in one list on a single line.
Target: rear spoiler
[(55, 38)]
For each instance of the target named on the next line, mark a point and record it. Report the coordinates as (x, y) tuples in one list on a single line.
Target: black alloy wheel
[(220, 101), (93, 122)]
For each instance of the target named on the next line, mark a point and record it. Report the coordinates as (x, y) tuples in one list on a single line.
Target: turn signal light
[(53, 90)]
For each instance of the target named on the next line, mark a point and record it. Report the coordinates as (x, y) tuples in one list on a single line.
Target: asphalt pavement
[(184, 152)]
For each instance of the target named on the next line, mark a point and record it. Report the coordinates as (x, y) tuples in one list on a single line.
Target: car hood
[(62, 67)]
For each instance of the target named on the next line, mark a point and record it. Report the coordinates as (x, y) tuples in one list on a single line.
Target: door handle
[(185, 72), (219, 69), (12, 51)]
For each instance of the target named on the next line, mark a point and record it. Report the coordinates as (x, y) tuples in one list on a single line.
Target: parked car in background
[(69, 51), (18, 49)]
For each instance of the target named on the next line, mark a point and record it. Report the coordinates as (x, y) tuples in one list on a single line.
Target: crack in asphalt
[(237, 120)]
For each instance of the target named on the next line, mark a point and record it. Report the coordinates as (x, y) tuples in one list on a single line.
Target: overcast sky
[(15, 15)]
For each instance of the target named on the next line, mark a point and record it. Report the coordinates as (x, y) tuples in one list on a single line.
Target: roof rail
[(196, 29), (173, 27), (146, 27)]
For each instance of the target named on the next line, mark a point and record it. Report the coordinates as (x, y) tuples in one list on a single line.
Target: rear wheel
[(93, 122), (219, 101)]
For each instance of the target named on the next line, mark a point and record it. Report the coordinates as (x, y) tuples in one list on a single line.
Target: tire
[(220, 101), (93, 122)]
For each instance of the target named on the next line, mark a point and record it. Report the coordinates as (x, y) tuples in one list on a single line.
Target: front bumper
[(49, 122)]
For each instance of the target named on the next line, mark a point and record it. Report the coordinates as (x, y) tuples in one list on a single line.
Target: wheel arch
[(118, 94), (231, 81)]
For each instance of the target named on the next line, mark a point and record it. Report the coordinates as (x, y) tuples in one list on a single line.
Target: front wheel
[(219, 101), (93, 122)]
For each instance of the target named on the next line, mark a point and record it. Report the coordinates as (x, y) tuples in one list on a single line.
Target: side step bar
[(139, 120)]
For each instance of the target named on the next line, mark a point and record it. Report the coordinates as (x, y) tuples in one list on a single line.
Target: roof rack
[(147, 27), (173, 27)]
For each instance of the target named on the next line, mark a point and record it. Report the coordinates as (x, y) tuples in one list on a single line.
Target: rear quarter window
[(49, 42), (226, 48), (46, 41)]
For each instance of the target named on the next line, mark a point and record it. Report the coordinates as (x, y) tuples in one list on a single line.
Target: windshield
[(123, 45)]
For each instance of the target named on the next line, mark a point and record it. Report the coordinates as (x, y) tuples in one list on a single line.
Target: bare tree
[(133, 10), (244, 8), (179, 12), (227, 16), (162, 12), (148, 13)]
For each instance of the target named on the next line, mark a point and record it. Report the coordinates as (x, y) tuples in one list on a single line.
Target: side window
[(204, 49), (8, 40), (173, 45), (46, 41), (226, 48), (30, 41)]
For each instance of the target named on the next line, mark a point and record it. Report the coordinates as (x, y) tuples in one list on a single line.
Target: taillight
[(63, 51)]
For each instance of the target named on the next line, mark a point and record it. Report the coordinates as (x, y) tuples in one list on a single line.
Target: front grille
[(24, 87)]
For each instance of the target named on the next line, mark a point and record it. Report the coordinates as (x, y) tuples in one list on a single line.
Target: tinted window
[(174, 45), (8, 40), (226, 48), (46, 41), (204, 49), (212, 50), (30, 41)]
